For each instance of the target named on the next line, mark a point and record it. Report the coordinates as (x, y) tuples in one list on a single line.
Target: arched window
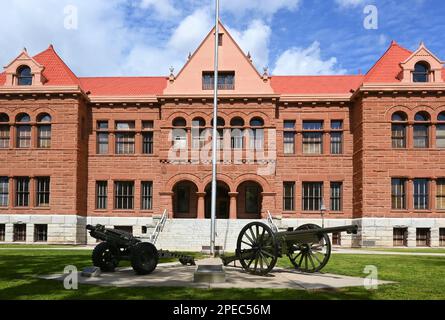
[(257, 133), (440, 131), (198, 133), (220, 122), (23, 131), (24, 76), (256, 122), (398, 129), (421, 72), (44, 130), (179, 122), (237, 122), (421, 130), (4, 131), (179, 133)]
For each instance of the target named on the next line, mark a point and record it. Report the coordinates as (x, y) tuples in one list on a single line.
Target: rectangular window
[(312, 196), (289, 137), (127, 229), (147, 195), (440, 136), (421, 194), (441, 237), (2, 232), (124, 195), (336, 239), (226, 80), (336, 142), (40, 233), (256, 138), (440, 195), (4, 136), (423, 237), (398, 136), (22, 192), (4, 191), (23, 136), (220, 39), (312, 137), (101, 194), (102, 143), (288, 196), (125, 143), (125, 125), (43, 191), (336, 196), (19, 233), (400, 237), (147, 142), (421, 139), (44, 136), (398, 194)]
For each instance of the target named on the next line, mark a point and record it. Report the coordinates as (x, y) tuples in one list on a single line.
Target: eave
[(396, 87)]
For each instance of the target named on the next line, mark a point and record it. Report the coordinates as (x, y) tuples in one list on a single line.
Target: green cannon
[(308, 247), (118, 245)]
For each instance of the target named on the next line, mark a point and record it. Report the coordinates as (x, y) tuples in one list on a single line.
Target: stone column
[(201, 204), (409, 136), (232, 208), (434, 237), (9, 231), (412, 237), (29, 233), (111, 143), (432, 137), (138, 143)]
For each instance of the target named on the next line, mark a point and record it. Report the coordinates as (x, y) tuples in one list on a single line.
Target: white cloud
[(255, 39), (306, 61), (349, 3), (164, 9), (265, 8)]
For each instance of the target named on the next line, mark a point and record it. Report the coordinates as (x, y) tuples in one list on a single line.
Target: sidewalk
[(378, 252)]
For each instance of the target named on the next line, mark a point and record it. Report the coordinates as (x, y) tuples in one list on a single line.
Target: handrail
[(159, 227), (272, 224)]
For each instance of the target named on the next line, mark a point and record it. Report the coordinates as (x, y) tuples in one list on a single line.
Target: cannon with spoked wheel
[(308, 247), (118, 245)]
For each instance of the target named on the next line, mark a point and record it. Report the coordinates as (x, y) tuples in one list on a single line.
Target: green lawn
[(417, 277)]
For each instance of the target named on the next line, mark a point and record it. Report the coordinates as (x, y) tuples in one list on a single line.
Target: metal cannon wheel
[(310, 257), (257, 248), (106, 257)]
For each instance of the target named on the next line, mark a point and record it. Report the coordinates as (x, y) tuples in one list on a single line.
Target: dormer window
[(24, 76), (421, 72), (226, 80)]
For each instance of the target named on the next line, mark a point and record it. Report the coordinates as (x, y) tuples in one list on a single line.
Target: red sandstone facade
[(356, 179)]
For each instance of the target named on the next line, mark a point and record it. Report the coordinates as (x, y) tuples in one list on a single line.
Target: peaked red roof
[(316, 84), (124, 86), (56, 72), (387, 68)]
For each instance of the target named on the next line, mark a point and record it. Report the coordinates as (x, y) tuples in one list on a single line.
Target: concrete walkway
[(176, 275)]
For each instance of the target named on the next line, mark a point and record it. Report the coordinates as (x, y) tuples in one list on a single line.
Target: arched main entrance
[(222, 200), (250, 199), (185, 200)]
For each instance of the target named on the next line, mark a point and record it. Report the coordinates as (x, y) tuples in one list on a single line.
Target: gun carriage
[(308, 247), (118, 245)]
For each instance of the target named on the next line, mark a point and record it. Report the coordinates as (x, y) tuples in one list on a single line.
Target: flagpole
[(215, 133)]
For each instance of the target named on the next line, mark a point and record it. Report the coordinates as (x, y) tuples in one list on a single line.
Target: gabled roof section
[(387, 68), (56, 72), (124, 86), (231, 58), (304, 85)]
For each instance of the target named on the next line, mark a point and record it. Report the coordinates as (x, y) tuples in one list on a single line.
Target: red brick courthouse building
[(121, 150)]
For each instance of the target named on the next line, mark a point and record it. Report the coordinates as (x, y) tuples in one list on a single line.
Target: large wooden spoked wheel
[(310, 257), (257, 248)]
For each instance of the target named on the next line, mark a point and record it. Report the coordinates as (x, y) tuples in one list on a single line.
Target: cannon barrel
[(115, 237)]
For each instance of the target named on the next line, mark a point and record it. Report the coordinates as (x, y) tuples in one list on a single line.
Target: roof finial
[(393, 42), (249, 56), (24, 50), (171, 77), (422, 44), (189, 56), (265, 74)]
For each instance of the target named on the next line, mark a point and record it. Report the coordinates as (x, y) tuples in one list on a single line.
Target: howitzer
[(118, 245), (308, 247)]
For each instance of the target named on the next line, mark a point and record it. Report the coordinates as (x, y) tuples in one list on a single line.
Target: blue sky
[(146, 37)]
